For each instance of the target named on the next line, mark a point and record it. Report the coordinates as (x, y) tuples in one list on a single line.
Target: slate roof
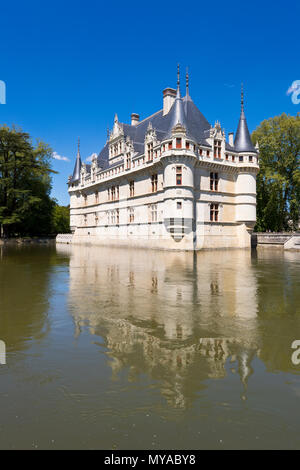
[(194, 121), (185, 111), (77, 168), (242, 141)]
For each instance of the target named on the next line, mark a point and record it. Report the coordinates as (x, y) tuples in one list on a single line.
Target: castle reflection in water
[(180, 318)]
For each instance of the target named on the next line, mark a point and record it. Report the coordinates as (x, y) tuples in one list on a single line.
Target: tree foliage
[(61, 219), (278, 181), (25, 184)]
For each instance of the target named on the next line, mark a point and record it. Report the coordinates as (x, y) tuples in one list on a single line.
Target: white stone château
[(171, 181)]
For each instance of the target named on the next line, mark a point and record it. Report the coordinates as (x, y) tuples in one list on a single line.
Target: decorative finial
[(78, 144), (178, 76), (187, 81), (107, 133), (242, 97)]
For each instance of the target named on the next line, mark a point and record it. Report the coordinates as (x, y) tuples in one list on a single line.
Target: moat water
[(132, 349)]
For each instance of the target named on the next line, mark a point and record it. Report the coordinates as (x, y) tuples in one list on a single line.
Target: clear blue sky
[(70, 65)]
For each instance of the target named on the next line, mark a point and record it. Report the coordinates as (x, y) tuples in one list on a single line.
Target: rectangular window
[(154, 183), (214, 212), (85, 219), (113, 217), (179, 205), (226, 156), (178, 143), (131, 188), (207, 153), (214, 181), (96, 197), (241, 159), (217, 149), (96, 218), (128, 161), (170, 145), (179, 175), (131, 215), (250, 158), (187, 145), (150, 151), (113, 193), (108, 194), (153, 208), (118, 216)]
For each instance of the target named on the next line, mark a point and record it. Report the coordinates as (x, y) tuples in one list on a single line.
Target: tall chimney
[(230, 138), (135, 119), (169, 95)]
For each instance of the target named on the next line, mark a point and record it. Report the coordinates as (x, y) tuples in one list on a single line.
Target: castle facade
[(171, 181)]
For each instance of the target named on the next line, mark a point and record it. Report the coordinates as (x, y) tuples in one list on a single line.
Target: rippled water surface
[(132, 349)]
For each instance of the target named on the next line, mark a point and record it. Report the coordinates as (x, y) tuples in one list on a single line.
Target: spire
[(187, 94), (177, 114), (187, 90), (178, 80), (242, 98), (242, 141), (77, 168)]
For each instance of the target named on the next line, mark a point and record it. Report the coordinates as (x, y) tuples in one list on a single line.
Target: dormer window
[(217, 149), (150, 151), (128, 161)]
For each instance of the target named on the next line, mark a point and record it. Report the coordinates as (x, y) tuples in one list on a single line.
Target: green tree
[(25, 185), (278, 181), (61, 219)]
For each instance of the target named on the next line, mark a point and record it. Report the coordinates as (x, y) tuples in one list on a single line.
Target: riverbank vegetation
[(26, 207), (278, 181)]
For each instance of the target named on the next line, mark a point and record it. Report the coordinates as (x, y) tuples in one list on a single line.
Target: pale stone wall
[(174, 217)]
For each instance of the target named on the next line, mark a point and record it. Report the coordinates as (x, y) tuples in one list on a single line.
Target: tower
[(247, 171), (178, 158)]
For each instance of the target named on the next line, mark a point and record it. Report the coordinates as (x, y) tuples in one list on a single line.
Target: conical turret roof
[(242, 141), (177, 114), (77, 168)]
